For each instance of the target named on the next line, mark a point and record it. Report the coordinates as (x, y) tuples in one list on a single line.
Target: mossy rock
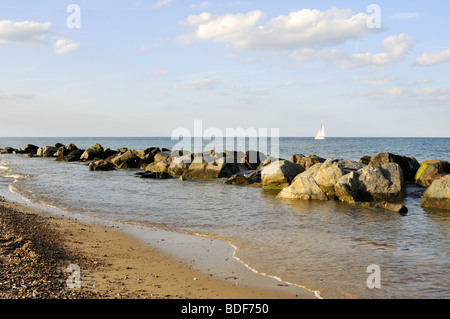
[(423, 166)]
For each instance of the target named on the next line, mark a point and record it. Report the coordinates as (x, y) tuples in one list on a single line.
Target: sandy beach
[(112, 264)]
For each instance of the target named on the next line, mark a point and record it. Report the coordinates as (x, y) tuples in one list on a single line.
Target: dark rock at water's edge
[(7, 150), (245, 178), (398, 208), (102, 165), (153, 175)]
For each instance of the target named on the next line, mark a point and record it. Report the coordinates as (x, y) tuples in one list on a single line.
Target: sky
[(146, 68)]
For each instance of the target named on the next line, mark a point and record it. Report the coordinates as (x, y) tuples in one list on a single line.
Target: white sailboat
[(321, 133)]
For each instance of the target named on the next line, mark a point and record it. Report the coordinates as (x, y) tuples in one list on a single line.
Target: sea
[(328, 246)]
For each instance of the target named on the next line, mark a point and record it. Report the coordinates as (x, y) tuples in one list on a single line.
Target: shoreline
[(138, 262)]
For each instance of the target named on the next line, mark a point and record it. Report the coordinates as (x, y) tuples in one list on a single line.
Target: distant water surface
[(325, 246)]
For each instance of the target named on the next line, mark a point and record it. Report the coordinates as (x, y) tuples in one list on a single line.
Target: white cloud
[(33, 33), (26, 32), (195, 84), (162, 3), (394, 48), (300, 28), (428, 59), (64, 45)]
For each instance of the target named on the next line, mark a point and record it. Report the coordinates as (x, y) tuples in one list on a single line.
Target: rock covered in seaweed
[(430, 171)]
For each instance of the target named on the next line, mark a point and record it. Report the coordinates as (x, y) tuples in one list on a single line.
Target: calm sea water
[(325, 246)]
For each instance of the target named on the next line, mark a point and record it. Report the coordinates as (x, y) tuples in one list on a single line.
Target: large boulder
[(430, 171), (409, 165), (129, 159), (303, 187), (46, 151), (72, 156), (29, 149), (438, 194), (318, 181), (163, 156), (161, 166), (101, 165), (279, 174), (372, 184), (96, 152), (180, 164), (65, 150), (90, 154)]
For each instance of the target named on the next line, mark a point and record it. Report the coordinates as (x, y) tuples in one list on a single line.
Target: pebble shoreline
[(33, 259)]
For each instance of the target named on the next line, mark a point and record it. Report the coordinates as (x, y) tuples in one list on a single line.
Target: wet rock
[(438, 194), (46, 151), (372, 184), (245, 178), (398, 208), (30, 149), (163, 156), (127, 160), (101, 165), (154, 175), (162, 166), (409, 165), (303, 187), (8, 150), (72, 156), (318, 181), (280, 174)]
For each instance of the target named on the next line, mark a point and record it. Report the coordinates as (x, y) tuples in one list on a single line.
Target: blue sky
[(145, 68)]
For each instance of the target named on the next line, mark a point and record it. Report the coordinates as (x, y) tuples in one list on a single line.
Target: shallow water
[(325, 246)]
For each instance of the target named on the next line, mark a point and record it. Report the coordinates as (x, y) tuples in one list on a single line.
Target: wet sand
[(112, 264)]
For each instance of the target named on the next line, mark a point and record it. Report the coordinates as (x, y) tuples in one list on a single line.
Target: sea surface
[(324, 246)]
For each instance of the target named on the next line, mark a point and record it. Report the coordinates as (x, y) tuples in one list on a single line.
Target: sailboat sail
[(321, 133)]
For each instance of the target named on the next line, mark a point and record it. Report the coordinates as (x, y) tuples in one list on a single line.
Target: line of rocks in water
[(379, 180)]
